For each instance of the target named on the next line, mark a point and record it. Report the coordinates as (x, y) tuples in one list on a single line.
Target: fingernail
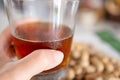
[(58, 56)]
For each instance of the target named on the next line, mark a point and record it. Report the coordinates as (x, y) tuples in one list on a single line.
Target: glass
[(42, 24)]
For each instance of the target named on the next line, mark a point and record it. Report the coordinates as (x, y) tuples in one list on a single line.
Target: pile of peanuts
[(88, 63)]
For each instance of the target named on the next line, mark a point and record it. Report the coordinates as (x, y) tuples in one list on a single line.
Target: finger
[(5, 43), (33, 64)]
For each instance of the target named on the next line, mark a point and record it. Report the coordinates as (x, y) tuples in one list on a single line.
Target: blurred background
[(97, 23)]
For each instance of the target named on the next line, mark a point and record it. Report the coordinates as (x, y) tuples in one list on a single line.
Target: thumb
[(33, 64)]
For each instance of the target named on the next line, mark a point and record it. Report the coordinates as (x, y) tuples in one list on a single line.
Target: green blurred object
[(110, 38)]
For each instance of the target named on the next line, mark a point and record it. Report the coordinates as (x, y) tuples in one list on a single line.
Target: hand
[(26, 68)]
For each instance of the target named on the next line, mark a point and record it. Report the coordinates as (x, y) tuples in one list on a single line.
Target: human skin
[(25, 68)]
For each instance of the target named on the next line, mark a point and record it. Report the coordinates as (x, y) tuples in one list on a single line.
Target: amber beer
[(32, 36)]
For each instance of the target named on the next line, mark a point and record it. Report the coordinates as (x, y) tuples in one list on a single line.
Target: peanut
[(109, 67), (112, 78), (71, 74), (84, 59), (105, 59), (99, 78), (90, 69), (99, 65), (91, 76), (78, 70), (72, 63), (76, 54), (116, 73), (87, 63)]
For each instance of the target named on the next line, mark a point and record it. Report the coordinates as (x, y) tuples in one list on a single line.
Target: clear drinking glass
[(42, 24)]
